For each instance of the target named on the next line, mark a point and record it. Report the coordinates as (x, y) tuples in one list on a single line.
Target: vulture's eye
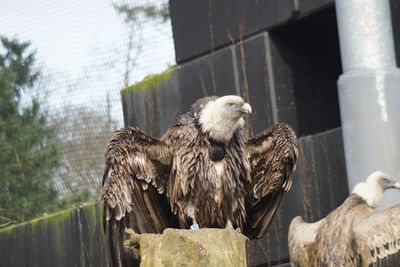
[(230, 105)]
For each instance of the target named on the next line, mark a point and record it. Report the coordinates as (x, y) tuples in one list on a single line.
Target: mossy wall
[(72, 237), (154, 103)]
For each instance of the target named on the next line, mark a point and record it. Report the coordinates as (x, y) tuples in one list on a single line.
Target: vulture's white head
[(372, 190), (222, 116)]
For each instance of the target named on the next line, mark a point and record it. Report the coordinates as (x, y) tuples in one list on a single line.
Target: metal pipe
[(369, 91), (365, 33)]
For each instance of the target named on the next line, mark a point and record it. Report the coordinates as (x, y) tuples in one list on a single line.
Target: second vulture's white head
[(372, 190), (222, 116)]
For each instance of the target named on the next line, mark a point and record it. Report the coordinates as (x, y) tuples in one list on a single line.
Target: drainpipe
[(369, 92)]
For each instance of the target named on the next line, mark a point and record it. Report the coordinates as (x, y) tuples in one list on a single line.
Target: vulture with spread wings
[(353, 234), (203, 172)]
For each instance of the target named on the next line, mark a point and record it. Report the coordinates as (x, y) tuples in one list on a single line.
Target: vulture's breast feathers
[(210, 165)]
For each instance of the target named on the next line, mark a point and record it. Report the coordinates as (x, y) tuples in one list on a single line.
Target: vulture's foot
[(194, 227)]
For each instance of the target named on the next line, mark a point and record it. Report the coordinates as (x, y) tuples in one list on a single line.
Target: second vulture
[(203, 171), (353, 234)]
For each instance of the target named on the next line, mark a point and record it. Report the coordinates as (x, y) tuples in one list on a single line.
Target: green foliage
[(28, 152), (77, 198), (136, 17), (131, 13)]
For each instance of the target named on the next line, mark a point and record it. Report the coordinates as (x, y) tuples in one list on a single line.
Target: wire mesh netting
[(62, 65)]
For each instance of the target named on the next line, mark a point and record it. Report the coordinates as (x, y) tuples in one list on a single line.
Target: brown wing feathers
[(378, 237), (132, 164), (131, 152), (272, 154)]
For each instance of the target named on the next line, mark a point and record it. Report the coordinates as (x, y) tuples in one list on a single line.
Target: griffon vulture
[(203, 171), (353, 234)]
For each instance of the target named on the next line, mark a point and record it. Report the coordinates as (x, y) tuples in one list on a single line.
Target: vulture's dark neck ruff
[(217, 150)]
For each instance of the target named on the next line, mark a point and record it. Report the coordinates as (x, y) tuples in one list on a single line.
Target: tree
[(135, 17), (29, 154), (83, 134)]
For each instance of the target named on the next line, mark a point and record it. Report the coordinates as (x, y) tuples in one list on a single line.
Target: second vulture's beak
[(396, 185), (393, 184), (246, 108)]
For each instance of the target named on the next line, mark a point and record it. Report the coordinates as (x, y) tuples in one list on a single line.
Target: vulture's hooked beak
[(246, 108), (396, 185), (393, 184)]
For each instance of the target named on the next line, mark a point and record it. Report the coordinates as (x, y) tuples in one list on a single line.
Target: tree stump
[(203, 247)]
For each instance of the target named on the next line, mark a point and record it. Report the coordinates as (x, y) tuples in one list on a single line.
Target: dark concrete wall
[(72, 237), (395, 5), (201, 26), (286, 74)]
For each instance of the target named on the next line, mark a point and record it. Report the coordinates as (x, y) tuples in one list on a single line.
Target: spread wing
[(378, 238), (133, 188), (301, 237), (272, 154)]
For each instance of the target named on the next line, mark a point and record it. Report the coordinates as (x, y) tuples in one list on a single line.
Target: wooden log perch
[(203, 247)]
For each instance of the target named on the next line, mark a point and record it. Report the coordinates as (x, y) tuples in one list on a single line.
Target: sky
[(80, 47)]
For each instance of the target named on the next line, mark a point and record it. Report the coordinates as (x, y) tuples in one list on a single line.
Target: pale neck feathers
[(218, 127), (371, 192)]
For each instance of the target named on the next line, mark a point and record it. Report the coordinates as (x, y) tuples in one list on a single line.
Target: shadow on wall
[(306, 57)]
